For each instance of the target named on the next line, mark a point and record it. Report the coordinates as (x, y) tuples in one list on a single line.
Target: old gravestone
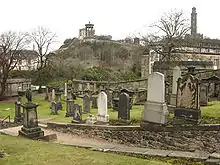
[(94, 101), (203, 95), (102, 107), (176, 76), (86, 104), (18, 116), (155, 109), (54, 108), (188, 108), (65, 91), (30, 127), (58, 101), (77, 116), (53, 97), (69, 108), (124, 107)]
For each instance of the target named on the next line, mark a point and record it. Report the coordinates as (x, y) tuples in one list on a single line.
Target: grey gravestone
[(58, 101), (18, 116), (188, 108), (203, 95), (54, 108), (124, 106), (94, 101), (86, 104), (30, 127), (77, 116), (69, 108)]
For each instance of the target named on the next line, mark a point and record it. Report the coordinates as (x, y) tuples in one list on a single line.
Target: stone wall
[(188, 138)]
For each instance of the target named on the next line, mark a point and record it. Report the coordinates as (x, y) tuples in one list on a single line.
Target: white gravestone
[(176, 76), (155, 109), (65, 90), (53, 95), (102, 107)]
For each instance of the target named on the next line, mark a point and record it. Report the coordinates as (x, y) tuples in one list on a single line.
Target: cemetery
[(191, 127)]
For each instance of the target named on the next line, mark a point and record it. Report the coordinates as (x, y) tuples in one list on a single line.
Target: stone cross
[(102, 107), (124, 106), (86, 104), (155, 109)]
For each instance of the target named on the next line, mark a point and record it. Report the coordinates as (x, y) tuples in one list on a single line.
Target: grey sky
[(119, 18)]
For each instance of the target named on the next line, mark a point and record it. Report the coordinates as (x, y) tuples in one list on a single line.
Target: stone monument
[(18, 116), (54, 108), (102, 108), (86, 104), (58, 101), (69, 108), (155, 109), (30, 127), (188, 107), (203, 95), (176, 76), (124, 107), (77, 116)]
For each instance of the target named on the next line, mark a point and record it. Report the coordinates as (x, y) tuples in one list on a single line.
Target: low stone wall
[(188, 138)]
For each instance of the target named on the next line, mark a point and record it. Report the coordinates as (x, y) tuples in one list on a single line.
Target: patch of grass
[(22, 151), (44, 111)]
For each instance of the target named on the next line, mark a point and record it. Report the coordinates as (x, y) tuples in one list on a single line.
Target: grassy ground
[(44, 111), (28, 152), (210, 113)]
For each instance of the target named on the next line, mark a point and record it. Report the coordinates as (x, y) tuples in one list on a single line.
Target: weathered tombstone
[(203, 95), (102, 108), (69, 108), (53, 97), (46, 98), (176, 76), (69, 94), (54, 108), (94, 101), (30, 127), (155, 109), (188, 108), (18, 116), (77, 117), (124, 107), (86, 104), (65, 91), (58, 101), (109, 96)]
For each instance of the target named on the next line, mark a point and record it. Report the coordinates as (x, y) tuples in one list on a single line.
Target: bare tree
[(168, 38), (11, 46), (42, 38)]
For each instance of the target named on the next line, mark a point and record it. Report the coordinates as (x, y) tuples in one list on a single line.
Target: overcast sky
[(119, 18)]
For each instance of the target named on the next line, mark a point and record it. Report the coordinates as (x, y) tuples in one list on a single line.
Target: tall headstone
[(124, 107), (188, 107), (58, 101), (145, 64), (203, 95), (18, 116), (77, 116), (86, 104), (176, 76), (65, 91), (69, 108), (102, 107), (53, 95), (155, 109), (30, 127), (54, 108)]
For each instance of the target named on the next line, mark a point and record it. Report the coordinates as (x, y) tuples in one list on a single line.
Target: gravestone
[(203, 95), (176, 76), (65, 91), (18, 116), (94, 101), (77, 117), (86, 104), (115, 103), (102, 108), (46, 98), (69, 108), (30, 127), (109, 96), (54, 108), (58, 101), (53, 97), (69, 94), (188, 108), (155, 109), (124, 107)]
